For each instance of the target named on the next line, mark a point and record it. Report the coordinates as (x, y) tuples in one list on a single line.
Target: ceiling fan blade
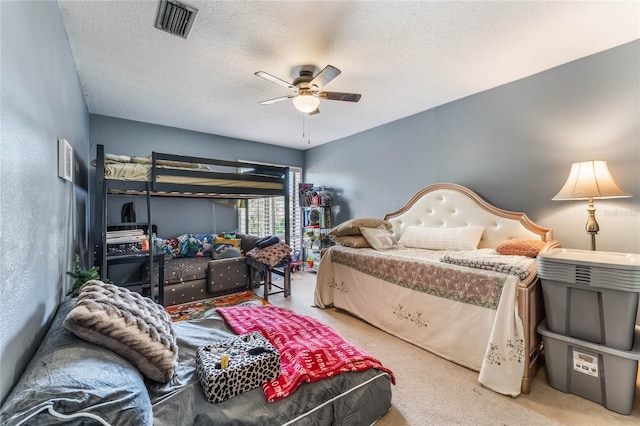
[(276, 100), (339, 96), (315, 111), (276, 80), (323, 78)]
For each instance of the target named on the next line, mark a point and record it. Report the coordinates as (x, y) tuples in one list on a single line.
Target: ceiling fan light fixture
[(306, 102)]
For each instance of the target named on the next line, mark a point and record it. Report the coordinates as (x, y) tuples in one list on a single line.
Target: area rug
[(202, 308)]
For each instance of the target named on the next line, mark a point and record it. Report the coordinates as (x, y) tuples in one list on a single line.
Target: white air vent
[(176, 18)]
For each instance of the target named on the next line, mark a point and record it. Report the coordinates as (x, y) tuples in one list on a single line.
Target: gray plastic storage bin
[(591, 295), (592, 371)]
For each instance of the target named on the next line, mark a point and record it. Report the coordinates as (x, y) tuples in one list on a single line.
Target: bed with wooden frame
[(414, 309)]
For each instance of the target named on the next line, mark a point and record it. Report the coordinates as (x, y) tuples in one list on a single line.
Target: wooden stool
[(285, 272)]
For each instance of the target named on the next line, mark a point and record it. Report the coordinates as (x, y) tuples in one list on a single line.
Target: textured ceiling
[(403, 57)]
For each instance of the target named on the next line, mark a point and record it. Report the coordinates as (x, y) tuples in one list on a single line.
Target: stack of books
[(127, 241)]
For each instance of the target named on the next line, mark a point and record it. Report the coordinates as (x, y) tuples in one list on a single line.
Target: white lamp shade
[(306, 102), (590, 179)]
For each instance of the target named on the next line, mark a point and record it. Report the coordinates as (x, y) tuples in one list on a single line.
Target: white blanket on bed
[(503, 364)]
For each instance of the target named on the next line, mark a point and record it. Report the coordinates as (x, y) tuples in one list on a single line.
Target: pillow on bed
[(133, 326), (520, 247), (355, 241), (352, 226), (379, 238), (113, 158), (464, 238)]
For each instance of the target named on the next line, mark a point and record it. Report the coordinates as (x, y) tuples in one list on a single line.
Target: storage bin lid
[(619, 271), (627, 261), (633, 354)]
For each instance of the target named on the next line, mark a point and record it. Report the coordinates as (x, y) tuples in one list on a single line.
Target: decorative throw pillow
[(170, 247), (230, 241), (520, 247), (223, 244), (195, 245), (123, 321), (226, 252), (356, 241), (464, 238), (379, 238), (352, 226)]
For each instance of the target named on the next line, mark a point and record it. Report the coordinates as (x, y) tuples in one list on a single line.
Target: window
[(265, 216)]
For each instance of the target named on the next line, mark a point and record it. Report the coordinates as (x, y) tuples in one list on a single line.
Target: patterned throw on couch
[(199, 245)]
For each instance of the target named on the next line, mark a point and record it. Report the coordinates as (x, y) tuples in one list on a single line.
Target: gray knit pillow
[(133, 326)]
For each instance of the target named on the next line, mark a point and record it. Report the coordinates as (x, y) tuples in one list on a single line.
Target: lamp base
[(593, 241), (592, 226)]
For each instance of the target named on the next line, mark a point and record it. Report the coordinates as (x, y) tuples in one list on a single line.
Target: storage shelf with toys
[(316, 222)]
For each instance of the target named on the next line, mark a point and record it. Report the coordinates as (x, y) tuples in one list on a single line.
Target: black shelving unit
[(316, 203)]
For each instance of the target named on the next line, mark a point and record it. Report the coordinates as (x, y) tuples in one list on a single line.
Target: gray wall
[(43, 218), (513, 145), (194, 215)]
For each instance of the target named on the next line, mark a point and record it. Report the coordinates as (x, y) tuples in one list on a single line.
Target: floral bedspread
[(466, 315), (480, 288)]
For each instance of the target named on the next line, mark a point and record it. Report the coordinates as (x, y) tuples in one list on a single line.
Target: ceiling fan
[(307, 88)]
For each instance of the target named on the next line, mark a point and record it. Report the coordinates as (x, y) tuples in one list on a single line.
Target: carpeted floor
[(433, 391)]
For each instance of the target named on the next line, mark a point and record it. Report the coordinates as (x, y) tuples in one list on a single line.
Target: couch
[(194, 278)]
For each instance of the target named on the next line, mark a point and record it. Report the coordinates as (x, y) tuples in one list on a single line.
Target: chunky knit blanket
[(123, 321), (489, 260), (309, 350)]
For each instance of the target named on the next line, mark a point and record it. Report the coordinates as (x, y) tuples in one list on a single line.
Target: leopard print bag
[(251, 361)]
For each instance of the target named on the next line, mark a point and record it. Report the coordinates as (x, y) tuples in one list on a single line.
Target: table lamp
[(589, 180)]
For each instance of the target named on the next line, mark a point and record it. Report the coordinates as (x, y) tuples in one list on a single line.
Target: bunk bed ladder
[(151, 255), (100, 222)]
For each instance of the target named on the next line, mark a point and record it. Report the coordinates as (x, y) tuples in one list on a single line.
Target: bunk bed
[(171, 175)]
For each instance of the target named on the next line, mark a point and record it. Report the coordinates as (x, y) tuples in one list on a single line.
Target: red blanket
[(309, 350)]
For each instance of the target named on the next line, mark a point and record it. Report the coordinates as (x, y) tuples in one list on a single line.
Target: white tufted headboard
[(448, 205)]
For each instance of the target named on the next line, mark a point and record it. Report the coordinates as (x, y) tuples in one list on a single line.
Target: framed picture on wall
[(65, 160)]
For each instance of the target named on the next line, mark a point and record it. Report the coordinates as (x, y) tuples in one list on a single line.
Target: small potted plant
[(81, 276)]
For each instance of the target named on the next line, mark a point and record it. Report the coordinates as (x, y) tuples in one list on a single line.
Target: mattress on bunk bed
[(465, 315), (120, 167)]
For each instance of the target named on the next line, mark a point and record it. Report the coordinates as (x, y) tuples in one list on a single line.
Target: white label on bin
[(585, 363)]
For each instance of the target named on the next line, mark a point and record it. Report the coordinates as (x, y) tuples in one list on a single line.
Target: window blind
[(265, 216)]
